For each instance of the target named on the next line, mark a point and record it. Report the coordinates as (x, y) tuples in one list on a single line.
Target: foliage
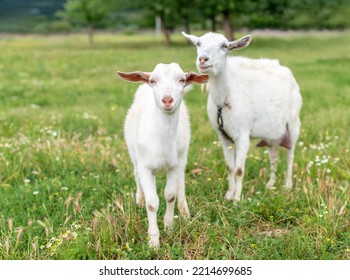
[(88, 13), (37, 16), (66, 180), (298, 14)]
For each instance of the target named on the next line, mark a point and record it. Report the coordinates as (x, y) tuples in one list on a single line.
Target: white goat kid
[(248, 98), (157, 133)]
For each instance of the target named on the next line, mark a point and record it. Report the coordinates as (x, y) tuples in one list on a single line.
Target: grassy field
[(66, 182)]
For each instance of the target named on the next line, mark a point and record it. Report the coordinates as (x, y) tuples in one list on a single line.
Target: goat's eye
[(224, 46), (182, 81), (153, 82), (198, 44)]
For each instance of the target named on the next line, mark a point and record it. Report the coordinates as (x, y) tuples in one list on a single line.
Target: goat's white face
[(212, 50), (168, 82)]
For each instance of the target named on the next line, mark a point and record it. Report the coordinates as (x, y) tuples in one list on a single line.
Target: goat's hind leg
[(140, 196), (294, 131), (170, 193), (181, 195), (273, 154)]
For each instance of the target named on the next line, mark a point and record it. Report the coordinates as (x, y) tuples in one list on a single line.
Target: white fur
[(261, 98), (159, 140)]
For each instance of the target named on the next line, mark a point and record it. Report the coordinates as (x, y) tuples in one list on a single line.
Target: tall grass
[(66, 181)]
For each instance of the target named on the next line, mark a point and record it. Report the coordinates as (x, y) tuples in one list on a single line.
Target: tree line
[(227, 15)]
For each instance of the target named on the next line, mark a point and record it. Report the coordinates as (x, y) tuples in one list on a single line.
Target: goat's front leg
[(227, 147), (241, 155), (148, 183)]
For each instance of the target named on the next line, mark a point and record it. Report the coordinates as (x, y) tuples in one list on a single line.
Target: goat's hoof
[(185, 213), (289, 185), (168, 228), (237, 199), (168, 222), (269, 185), (153, 243), (183, 210), (140, 201), (229, 196)]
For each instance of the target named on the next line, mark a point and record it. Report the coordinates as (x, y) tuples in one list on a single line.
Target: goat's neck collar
[(219, 92), (220, 122)]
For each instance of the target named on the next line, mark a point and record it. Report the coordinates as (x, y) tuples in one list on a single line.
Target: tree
[(224, 9), (209, 10), (88, 13), (319, 13), (186, 11), (227, 9), (166, 10)]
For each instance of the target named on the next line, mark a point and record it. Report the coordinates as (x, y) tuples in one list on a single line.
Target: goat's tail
[(204, 88)]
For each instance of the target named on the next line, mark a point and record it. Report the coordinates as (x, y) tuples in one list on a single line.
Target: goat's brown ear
[(137, 76), (240, 43), (192, 77)]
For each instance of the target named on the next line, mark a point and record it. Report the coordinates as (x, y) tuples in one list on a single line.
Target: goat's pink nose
[(203, 59), (167, 100)]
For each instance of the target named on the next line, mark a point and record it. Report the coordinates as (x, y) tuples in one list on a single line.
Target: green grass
[(66, 183)]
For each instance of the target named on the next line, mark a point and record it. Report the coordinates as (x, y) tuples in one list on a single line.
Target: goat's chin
[(205, 70), (169, 111)]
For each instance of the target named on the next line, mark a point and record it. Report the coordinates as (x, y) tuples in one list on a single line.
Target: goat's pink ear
[(240, 43), (137, 76), (192, 77)]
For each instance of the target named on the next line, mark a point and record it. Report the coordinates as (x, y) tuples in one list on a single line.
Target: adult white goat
[(248, 98), (157, 133)]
